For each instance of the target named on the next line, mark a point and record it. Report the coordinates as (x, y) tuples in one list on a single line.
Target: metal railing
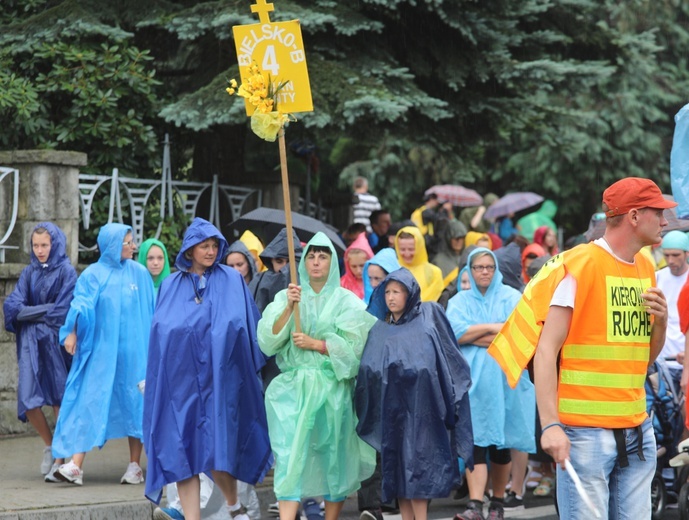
[(138, 192), (13, 176)]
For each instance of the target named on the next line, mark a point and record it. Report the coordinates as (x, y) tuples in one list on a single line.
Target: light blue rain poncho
[(500, 416), (111, 312), (386, 259), (311, 419)]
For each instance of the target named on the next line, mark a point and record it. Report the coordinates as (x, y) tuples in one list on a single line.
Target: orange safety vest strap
[(515, 344)]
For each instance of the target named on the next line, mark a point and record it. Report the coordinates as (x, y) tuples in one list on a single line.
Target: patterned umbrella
[(597, 225), (511, 203), (458, 195)]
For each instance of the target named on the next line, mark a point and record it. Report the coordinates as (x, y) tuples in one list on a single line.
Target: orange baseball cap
[(634, 192)]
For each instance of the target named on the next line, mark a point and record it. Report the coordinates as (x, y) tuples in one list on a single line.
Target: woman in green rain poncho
[(153, 256), (311, 419)]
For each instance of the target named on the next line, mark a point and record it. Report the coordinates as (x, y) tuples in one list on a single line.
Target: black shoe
[(496, 511), (512, 502), (390, 509)]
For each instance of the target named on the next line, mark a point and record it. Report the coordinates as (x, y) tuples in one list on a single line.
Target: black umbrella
[(270, 221)]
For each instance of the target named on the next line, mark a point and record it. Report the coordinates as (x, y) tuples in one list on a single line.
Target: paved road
[(24, 494)]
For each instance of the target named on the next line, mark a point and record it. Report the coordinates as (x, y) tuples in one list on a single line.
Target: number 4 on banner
[(275, 50), (278, 50)]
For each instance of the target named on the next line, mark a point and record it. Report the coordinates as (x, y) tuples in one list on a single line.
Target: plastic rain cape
[(348, 280), (203, 402), (428, 276), (412, 397), (143, 253), (679, 162), (500, 416), (35, 311), (111, 311), (267, 284), (310, 410), (386, 259)]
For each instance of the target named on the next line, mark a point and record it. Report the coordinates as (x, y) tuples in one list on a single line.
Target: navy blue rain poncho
[(267, 284), (111, 312), (35, 311), (204, 406), (412, 397)]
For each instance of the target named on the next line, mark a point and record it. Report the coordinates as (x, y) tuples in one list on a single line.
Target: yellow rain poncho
[(255, 247), (428, 276)]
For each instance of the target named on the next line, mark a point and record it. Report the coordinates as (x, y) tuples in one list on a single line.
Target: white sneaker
[(50, 476), (71, 473), (48, 460), (133, 475)]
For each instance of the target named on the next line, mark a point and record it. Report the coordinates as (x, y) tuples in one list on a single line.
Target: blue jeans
[(618, 493)]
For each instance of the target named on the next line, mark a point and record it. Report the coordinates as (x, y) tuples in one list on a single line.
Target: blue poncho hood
[(58, 246), (200, 230), (110, 241), (379, 308), (386, 259), (495, 283)]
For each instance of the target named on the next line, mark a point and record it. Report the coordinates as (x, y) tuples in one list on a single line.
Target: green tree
[(75, 83), (555, 96)]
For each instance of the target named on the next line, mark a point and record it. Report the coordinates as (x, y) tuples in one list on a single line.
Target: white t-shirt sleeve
[(565, 292)]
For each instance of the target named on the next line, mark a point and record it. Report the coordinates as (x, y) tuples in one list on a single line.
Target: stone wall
[(48, 191), (9, 424)]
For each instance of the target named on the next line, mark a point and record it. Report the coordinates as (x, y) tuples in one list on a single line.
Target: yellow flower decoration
[(267, 126), (261, 93)]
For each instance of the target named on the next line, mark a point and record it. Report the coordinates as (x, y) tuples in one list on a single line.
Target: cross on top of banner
[(263, 8)]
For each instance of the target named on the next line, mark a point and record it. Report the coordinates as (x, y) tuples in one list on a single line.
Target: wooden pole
[(288, 223)]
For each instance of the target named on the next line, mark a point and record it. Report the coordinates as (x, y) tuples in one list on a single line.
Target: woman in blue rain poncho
[(204, 410), (309, 405), (502, 418), (35, 311), (377, 268), (106, 330), (411, 396)]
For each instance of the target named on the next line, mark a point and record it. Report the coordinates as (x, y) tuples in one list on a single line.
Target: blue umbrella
[(511, 203)]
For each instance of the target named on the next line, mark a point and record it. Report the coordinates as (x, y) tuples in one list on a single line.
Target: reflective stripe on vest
[(604, 408)]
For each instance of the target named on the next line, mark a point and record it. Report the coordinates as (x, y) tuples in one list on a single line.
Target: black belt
[(622, 445)]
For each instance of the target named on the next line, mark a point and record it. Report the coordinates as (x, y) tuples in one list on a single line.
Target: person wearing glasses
[(502, 418), (106, 330)]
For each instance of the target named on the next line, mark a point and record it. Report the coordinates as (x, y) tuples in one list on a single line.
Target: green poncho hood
[(143, 253), (333, 282)]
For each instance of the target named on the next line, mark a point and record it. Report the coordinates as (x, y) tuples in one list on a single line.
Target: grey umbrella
[(511, 203), (268, 222)]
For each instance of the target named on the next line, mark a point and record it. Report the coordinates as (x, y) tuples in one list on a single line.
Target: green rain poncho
[(143, 254), (311, 419)]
